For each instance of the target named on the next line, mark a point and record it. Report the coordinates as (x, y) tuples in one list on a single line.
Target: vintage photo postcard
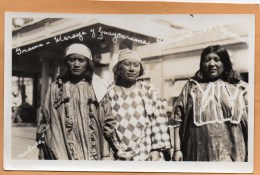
[(129, 92)]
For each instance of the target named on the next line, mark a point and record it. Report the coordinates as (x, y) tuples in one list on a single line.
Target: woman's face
[(212, 66), (129, 70), (76, 64)]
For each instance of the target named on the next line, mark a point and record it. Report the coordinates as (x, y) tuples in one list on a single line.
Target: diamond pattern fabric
[(141, 121), (129, 112)]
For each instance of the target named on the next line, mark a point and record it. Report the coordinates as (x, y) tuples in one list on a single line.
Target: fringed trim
[(207, 97), (60, 96), (93, 154)]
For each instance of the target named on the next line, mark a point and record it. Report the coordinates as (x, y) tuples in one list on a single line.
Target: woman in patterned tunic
[(76, 116), (141, 122), (210, 115)]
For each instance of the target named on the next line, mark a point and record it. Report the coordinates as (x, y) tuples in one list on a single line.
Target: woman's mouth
[(212, 70), (76, 70), (131, 75)]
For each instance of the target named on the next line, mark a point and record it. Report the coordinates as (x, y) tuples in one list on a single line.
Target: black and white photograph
[(129, 92)]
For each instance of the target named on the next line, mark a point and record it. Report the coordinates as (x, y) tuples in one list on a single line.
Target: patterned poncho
[(213, 121), (141, 121)]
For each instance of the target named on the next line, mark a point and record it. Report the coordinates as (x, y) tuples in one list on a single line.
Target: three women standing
[(209, 117)]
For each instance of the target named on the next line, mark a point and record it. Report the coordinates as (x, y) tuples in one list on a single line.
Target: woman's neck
[(125, 84), (76, 79), (214, 80)]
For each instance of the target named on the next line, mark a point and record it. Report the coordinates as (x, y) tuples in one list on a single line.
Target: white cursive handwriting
[(93, 33), (21, 51), (78, 35), (117, 36), (29, 149)]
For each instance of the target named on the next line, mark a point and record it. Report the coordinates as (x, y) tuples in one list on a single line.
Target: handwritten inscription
[(29, 149), (99, 34), (78, 35), (57, 39), (117, 36), (21, 51)]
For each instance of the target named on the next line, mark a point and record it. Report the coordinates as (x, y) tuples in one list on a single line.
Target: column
[(44, 78), (114, 49)]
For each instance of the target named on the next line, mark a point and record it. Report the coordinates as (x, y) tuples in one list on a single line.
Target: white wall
[(170, 72)]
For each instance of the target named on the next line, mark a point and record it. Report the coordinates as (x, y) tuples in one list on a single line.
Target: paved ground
[(23, 143)]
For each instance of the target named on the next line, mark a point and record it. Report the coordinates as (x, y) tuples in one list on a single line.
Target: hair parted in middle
[(64, 74), (228, 75)]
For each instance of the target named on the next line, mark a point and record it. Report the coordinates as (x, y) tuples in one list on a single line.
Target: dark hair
[(117, 73), (228, 75), (64, 74)]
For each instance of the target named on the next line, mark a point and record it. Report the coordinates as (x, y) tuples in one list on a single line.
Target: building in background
[(170, 47)]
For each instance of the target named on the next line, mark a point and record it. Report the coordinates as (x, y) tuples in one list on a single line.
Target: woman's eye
[(82, 61), (136, 64), (126, 64), (217, 59), (207, 59), (72, 59)]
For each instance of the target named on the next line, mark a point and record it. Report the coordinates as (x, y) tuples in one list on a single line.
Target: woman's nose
[(131, 67), (76, 63), (212, 63)]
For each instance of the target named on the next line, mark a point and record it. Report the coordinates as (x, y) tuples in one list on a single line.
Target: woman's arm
[(109, 119), (44, 117), (171, 129), (43, 126), (109, 126), (176, 120), (177, 154)]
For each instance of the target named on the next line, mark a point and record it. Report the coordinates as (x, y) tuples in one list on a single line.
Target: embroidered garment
[(74, 122), (213, 121), (138, 130)]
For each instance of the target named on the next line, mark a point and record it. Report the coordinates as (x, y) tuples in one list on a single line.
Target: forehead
[(130, 61), (76, 56), (212, 54)]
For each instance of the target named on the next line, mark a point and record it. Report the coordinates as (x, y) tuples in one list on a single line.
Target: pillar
[(114, 49), (44, 78)]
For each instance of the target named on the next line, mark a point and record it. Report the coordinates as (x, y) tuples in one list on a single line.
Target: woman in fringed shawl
[(210, 115), (76, 119), (141, 119)]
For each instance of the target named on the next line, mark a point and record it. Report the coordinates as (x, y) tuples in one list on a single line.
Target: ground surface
[(23, 143)]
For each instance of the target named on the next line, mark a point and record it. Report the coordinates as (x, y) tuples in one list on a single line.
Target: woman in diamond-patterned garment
[(76, 116), (141, 123), (210, 115)]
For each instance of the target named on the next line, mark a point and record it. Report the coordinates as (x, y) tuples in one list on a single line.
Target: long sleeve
[(109, 126), (180, 107), (44, 116), (244, 123), (160, 134), (109, 119), (244, 117), (43, 128)]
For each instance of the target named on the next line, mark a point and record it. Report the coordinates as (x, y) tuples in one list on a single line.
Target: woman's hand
[(154, 155), (40, 140), (177, 156)]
